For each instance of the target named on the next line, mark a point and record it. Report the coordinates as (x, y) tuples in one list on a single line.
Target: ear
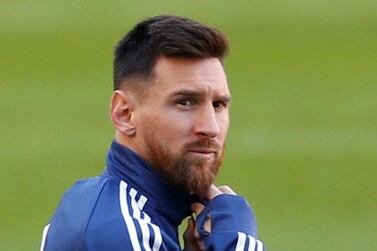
[(121, 112)]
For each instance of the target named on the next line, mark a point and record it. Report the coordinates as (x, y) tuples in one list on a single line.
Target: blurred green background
[(303, 141)]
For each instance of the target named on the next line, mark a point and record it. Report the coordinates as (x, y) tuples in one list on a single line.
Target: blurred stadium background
[(303, 140)]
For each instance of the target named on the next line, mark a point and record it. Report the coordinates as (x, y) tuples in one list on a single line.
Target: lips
[(206, 149), (203, 154), (203, 150)]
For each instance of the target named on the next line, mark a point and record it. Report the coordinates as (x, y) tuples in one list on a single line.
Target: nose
[(206, 124)]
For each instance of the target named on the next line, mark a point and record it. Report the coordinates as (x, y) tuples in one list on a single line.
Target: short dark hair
[(170, 36)]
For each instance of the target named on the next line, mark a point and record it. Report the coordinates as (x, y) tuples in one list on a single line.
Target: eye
[(184, 102), (218, 105)]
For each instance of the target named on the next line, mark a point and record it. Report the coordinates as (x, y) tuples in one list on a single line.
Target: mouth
[(203, 153)]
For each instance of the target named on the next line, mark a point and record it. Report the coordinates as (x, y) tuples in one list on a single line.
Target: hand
[(213, 191), (191, 235)]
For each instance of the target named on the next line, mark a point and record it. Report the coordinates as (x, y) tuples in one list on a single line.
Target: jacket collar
[(124, 164)]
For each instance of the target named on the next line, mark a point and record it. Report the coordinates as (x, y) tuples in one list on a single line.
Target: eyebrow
[(193, 93)]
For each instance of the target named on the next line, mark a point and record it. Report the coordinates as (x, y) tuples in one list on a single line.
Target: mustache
[(204, 144)]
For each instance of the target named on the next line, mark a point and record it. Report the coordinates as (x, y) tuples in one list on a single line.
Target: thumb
[(213, 192), (197, 208)]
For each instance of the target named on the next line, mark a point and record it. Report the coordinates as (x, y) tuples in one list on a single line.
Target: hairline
[(143, 81)]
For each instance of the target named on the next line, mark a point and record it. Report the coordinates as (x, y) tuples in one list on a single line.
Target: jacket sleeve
[(109, 218), (233, 225), (140, 235)]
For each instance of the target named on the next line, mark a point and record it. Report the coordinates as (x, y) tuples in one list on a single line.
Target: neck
[(128, 142), (124, 164)]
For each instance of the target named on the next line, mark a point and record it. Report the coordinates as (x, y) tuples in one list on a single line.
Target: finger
[(198, 239), (213, 192), (201, 245), (226, 190), (197, 208), (191, 237), (189, 234), (207, 225), (196, 234)]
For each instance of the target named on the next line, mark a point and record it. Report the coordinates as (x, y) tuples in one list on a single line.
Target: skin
[(180, 121), (191, 236)]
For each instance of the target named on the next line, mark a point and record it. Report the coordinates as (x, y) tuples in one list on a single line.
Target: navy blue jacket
[(129, 207)]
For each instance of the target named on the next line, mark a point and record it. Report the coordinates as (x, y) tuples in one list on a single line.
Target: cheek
[(175, 130), (175, 123), (172, 130), (224, 126)]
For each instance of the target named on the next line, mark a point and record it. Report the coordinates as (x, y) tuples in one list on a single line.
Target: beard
[(183, 170)]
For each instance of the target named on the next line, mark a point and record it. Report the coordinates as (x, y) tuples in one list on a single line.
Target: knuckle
[(226, 189)]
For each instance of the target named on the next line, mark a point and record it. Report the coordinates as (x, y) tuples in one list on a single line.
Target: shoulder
[(105, 214), (67, 226), (81, 198), (120, 223)]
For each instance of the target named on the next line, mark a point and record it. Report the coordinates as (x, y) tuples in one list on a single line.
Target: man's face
[(182, 121)]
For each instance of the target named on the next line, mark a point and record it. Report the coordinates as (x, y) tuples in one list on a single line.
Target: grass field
[(303, 140)]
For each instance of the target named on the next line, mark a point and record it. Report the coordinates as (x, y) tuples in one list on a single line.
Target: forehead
[(205, 75)]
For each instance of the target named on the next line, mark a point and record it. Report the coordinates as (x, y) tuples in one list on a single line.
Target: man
[(170, 109)]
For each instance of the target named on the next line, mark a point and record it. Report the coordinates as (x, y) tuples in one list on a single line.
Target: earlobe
[(121, 112)]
